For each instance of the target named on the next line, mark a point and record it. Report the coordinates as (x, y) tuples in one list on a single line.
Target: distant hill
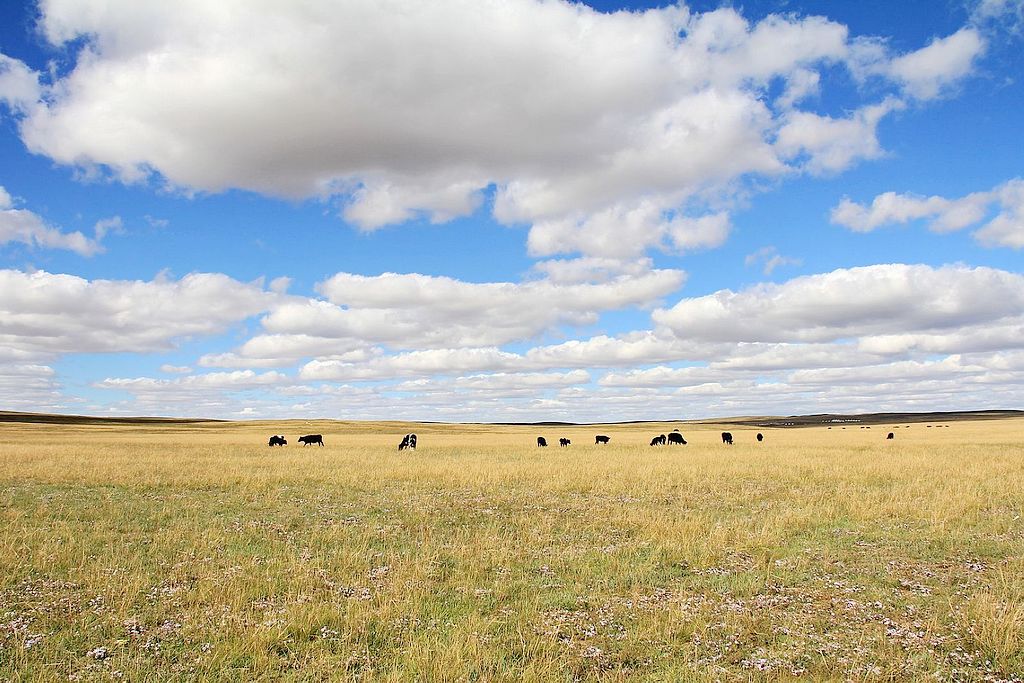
[(870, 418)]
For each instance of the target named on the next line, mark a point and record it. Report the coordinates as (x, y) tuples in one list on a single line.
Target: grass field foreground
[(158, 552)]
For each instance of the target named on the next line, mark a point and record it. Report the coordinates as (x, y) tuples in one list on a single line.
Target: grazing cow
[(891, 436), (658, 440), (278, 440), (727, 438), (563, 442), (676, 437), (601, 439), (760, 436), (311, 439), (542, 442)]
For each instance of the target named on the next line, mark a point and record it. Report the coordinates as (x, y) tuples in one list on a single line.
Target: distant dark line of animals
[(674, 437)]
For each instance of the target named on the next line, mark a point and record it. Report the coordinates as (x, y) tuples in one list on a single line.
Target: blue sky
[(512, 210)]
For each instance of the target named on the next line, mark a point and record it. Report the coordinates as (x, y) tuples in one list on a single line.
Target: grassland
[(194, 551)]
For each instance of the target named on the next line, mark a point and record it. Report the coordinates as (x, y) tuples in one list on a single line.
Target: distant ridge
[(766, 421), (870, 418)]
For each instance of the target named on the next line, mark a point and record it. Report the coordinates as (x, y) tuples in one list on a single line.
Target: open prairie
[(194, 551)]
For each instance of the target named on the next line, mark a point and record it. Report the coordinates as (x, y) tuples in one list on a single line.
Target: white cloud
[(1005, 13), (413, 311), (591, 269), (25, 227), (107, 225), (175, 369), (413, 364), (950, 368), (823, 144), (927, 71), (238, 379), (596, 352), (627, 232), (606, 132), (283, 350), (770, 259), (46, 314), (662, 377), (1005, 229), (30, 387), (855, 302), (800, 85), (19, 85), (501, 381)]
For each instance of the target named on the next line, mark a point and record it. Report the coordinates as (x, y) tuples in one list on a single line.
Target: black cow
[(601, 439), (542, 442), (676, 437), (311, 439), (658, 440), (278, 440), (408, 441), (760, 436), (563, 442), (890, 436), (727, 438)]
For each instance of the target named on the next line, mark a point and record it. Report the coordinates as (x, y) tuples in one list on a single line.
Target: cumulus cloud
[(607, 133), (45, 314), (591, 269), (855, 302), (238, 379), (417, 311), (1005, 229), (602, 351), (823, 145), (19, 85), (944, 61), (30, 387), (217, 394), (25, 227)]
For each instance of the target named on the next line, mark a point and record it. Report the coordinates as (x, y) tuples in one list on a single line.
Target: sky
[(511, 210)]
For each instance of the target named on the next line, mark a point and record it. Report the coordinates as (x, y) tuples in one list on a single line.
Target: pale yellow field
[(197, 552)]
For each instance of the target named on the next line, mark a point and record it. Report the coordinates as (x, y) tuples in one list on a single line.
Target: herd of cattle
[(409, 440), (662, 439)]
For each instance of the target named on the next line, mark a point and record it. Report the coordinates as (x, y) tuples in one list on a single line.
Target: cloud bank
[(607, 133)]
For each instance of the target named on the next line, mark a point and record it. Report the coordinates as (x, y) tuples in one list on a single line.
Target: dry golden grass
[(153, 552)]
